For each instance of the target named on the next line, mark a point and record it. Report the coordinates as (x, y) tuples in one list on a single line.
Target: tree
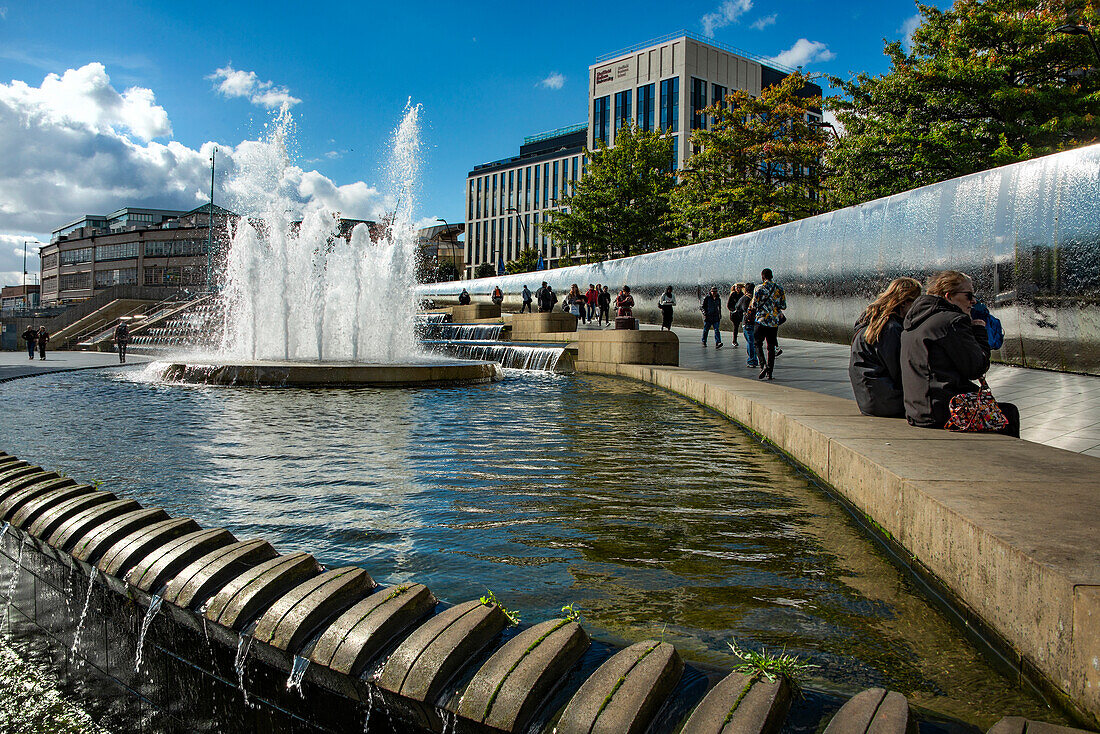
[(986, 83), (757, 166), (485, 270), (620, 207), (527, 261)]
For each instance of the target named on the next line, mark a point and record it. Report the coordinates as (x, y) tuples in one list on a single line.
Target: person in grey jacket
[(875, 364), (712, 317), (665, 303)]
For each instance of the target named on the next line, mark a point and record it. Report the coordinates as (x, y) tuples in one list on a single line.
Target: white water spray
[(15, 566), (244, 646), (84, 611), (297, 672), (154, 607)]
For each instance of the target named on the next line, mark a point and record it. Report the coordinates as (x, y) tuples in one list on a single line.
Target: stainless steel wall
[(1028, 234)]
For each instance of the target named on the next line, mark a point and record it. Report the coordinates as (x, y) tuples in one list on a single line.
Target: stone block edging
[(1008, 527)]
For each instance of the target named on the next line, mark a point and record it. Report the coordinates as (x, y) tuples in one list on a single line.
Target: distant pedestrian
[(526, 296), (666, 303), (31, 337), (43, 339), (498, 296), (604, 302), (875, 363), (769, 302), (464, 298), (575, 301), (731, 305), (712, 317), (591, 298), (624, 302), (122, 338), (744, 305), (546, 298)]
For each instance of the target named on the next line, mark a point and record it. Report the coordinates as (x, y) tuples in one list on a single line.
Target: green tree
[(525, 263), (621, 205), (485, 270), (985, 83), (757, 166)]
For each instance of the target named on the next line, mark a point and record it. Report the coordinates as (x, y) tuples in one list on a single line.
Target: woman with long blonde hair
[(875, 364)]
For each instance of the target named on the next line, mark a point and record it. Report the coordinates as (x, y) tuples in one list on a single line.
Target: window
[(645, 107), (622, 109), (494, 212), (576, 163), (526, 231), (49, 261), (698, 102), (546, 184), (122, 276), (670, 104), (719, 97), (508, 251), (49, 284), (116, 252), (76, 281), (537, 186), (601, 115), (511, 189), (554, 188), (478, 216), (535, 231), (175, 248), (675, 152), (470, 201), (175, 275), (72, 257), (527, 189)]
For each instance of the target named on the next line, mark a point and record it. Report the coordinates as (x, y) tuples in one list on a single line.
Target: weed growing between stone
[(772, 666), (491, 599)]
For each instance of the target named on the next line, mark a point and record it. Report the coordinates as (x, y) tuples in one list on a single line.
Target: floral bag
[(976, 411)]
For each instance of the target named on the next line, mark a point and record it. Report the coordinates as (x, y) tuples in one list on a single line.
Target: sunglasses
[(968, 294)]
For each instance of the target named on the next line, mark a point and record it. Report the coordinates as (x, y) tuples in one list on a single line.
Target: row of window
[(76, 281), (184, 275), (122, 276), (489, 242), (669, 119), (125, 250), (79, 255), (174, 248), (514, 191)]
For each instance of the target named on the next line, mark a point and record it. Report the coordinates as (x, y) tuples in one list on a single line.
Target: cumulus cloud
[(802, 53), (764, 21), (236, 83), (907, 29), (554, 81), (728, 12), (75, 145)]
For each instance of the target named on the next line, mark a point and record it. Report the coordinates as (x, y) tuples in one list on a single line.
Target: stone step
[(360, 633), (625, 693), (206, 576), (1020, 725), (13, 485), (874, 711), (251, 593), (33, 509), (97, 541), (15, 502), (53, 518), (16, 470), (82, 523), (422, 665), (298, 614), (163, 563), (507, 691), (127, 551), (741, 704)]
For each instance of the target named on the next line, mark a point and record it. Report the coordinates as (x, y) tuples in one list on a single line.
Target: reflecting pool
[(654, 516)]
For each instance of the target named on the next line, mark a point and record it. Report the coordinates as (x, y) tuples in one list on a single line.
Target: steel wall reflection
[(1028, 234)]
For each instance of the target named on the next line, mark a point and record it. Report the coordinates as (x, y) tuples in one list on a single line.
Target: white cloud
[(554, 81), (728, 12), (236, 83), (907, 29), (830, 117), (802, 53), (764, 21), (75, 145)]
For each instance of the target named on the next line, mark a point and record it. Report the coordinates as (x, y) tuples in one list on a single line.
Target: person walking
[(875, 363), (744, 305), (665, 303), (546, 298), (731, 306), (42, 339), (591, 296), (943, 348), (769, 302), (122, 338), (604, 302), (576, 303), (526, 296), (712, 317), (31, 337)]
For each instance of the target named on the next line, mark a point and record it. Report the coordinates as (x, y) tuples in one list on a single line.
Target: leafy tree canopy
[(986, 83)]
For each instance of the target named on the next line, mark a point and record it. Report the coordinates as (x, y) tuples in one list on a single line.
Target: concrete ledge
[(529, 326), (1008, 526), (474, 311)]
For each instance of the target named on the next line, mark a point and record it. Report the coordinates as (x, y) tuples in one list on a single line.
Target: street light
[(526, 234), (1079, 30), (454, 251), (826, 124)]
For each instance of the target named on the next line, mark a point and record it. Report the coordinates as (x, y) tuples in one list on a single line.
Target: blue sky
[(138, 91)]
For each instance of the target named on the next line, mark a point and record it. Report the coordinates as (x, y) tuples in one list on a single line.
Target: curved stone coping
[(164, 563), (12, 486), (82, 523), (298, 614), (1020, 725), (874, 711), (508, 689), (16, 469), (206, 576), (91, 546), (336, 375), (422, 665), (128, 550), (741, 704), (33, 509), (48, 522), (14, 501), (1007, 527), (625, 693), (249, 594), (359, 634)]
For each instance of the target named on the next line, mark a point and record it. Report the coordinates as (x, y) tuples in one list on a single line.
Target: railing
[(701, 39), (555, 133)]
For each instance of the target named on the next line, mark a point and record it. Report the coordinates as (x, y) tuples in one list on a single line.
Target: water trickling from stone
[(15, 566), (244, 646), (84, 612), (297, 672), (370, 707), (154, 607)]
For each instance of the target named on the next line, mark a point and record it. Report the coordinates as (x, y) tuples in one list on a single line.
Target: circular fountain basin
[(335, 374)]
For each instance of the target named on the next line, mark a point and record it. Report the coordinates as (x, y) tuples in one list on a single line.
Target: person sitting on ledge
[(498, 296), (942, 350), (624, 303), (875, 364), (464, 298)]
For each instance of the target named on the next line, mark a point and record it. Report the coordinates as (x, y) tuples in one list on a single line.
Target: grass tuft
[(491, 599), (772, 666)]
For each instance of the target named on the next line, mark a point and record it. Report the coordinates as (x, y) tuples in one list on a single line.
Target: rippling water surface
[(654, 516)]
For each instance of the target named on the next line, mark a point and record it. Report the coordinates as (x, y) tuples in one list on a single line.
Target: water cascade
[(513, 356), (244, 646), (297, 672), (154, 607), (11, 582), (84, 612)]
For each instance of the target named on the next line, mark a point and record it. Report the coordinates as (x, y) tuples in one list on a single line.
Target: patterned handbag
[(976, 411)]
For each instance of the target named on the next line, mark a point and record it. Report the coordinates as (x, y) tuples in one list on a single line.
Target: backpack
[(993, 328)]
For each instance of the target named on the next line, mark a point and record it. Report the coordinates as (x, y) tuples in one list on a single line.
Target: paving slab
[(300, 613), (359, 634), (741, 704), (15, 365), (251, 593), (163, 563), (207, 575), (128, 550)]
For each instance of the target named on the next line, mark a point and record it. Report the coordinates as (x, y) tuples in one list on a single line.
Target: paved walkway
[(14, 365)]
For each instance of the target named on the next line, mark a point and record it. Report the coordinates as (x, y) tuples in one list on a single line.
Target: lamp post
[(519, 220), (1071, 29), (209, 231), (824, 124), (454, 256)]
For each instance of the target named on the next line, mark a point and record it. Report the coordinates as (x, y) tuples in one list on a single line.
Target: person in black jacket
[(875, 364), (712, 317), (942, 350), (731, 305)]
